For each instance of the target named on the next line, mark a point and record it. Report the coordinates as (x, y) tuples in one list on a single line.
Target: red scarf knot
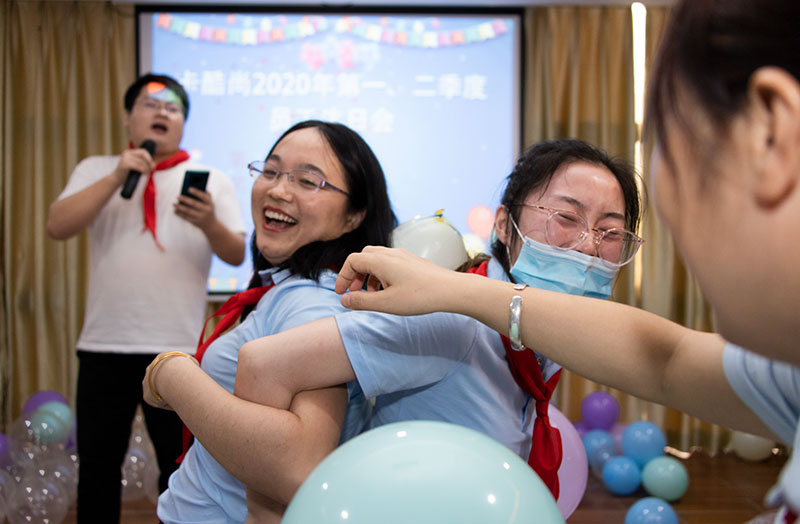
[(149, 196)]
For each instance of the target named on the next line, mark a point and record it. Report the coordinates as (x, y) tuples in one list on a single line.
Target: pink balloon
[(616, 431), (574, 471), (480, 221)]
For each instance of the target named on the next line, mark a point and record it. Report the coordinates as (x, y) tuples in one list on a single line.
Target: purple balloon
[(600, 410), (581, 428), (5, 459), (39, 398)]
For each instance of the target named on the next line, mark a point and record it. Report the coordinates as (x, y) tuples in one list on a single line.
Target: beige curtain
[(668, 290), (65, 68), (579, 83)]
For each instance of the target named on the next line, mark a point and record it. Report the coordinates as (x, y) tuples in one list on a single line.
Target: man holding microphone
[(150, 255)]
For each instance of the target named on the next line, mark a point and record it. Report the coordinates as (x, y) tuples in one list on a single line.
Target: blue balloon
[(601, 455), (621, 475), (651, 510), (422, 472), (666, 478), (643, 441), (596, 438)]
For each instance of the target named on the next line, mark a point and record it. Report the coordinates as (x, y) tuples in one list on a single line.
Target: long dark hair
[(537, 165), (709, 51), (367, 192)]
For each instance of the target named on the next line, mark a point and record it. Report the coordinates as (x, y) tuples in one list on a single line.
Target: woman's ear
[(354, 220), (774, 98), (501, 225)]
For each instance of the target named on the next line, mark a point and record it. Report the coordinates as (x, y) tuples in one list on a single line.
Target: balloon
[(39, 398), (599, 410), (480, 221), (581, 428), (134, 469), (36, 500), (62, 471), (32, 439), (600, 456), (5, 458), (643, 441), (594, 439), (616, 431), (750, 447), (665, 478), (57, 420), (574, 471), (621, 475), (432, 237), (423, 472), (651, 510)]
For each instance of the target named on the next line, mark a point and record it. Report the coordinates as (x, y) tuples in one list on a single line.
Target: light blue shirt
[(441, 366), (771, 389), (201, 490)]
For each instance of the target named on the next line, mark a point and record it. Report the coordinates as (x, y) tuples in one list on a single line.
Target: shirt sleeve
[(771, 389), (87, 172), (393, 353)]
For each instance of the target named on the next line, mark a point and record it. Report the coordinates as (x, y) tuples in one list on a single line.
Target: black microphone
[(133, 176)]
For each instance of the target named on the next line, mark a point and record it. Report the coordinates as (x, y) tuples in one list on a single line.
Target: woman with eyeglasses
[(724, 109), (319, 196), (565, 223)]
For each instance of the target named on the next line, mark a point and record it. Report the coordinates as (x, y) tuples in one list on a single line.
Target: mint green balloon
[(422, 472), (665, 478)]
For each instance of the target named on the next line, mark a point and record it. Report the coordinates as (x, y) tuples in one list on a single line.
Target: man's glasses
[(567, 230), (152, 104), (302, 179)]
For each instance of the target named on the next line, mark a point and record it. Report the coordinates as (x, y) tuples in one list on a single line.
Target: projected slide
[(436, 97)]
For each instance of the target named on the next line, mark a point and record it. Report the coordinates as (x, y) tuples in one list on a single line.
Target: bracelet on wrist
[(158, 361), (514, 312)]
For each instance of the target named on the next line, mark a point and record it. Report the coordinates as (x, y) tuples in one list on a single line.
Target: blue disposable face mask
[(567, 271)]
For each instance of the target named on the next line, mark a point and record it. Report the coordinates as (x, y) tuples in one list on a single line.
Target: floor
[(722, 490)]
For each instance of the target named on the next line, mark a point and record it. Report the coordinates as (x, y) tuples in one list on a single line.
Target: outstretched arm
[(270, 450), (613, 344)]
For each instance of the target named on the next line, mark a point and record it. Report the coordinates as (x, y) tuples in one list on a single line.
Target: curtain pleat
[(65, 69)]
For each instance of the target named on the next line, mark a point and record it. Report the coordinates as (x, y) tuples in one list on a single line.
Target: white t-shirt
[(142, 299), (771, 389)]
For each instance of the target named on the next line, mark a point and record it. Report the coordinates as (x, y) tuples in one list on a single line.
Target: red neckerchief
[(546, 451), (232, 309), (149, 198)]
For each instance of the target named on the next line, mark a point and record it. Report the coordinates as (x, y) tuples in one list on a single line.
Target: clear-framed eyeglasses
[(152, 104), (567, 230), (302, 179)]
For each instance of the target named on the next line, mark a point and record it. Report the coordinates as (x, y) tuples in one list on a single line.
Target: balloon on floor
[(423, 472)]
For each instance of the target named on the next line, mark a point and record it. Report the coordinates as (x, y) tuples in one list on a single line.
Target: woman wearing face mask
[(565, 224), (724, 101), (319, 195)]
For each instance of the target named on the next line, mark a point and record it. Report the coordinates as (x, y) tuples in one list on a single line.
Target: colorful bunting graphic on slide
[(400, 31)]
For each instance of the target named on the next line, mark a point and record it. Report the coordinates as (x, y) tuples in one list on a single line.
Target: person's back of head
[(709, 52)]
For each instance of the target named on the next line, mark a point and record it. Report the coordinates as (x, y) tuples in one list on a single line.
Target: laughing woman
[(319, 196)]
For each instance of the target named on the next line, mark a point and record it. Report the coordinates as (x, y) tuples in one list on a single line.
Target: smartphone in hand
[(196, 179)]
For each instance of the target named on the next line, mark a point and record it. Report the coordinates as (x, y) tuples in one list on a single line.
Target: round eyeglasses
[(567, 230), (303, 179)]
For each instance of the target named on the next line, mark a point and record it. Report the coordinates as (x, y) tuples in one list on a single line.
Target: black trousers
[(109, 390)]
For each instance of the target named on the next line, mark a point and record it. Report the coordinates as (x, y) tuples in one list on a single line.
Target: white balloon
[(432, 237), (750, 447)]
